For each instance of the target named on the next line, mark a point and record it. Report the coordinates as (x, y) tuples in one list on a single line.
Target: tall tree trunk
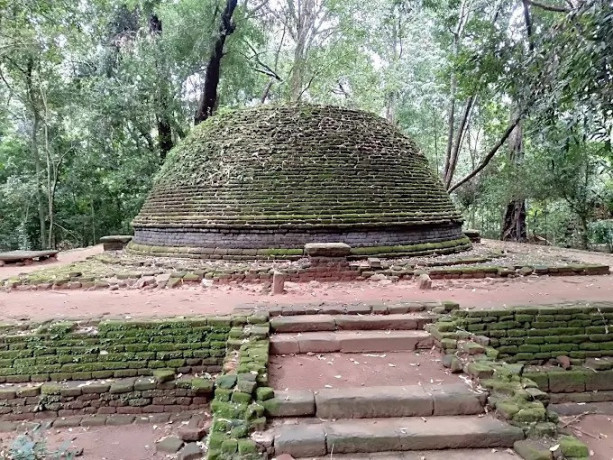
[(39, 190), (453, 89), (52, 175), (35, 154), (164, 128), (452, 159), (450, 127), (297, 79), (208, 100), (514, 221)]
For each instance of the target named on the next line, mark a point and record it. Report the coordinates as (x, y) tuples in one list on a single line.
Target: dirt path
[(63, 258), (342, 370), (125, 442), (45, 305), (588, 257)]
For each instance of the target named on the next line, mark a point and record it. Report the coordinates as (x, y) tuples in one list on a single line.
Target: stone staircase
[(374, 421)]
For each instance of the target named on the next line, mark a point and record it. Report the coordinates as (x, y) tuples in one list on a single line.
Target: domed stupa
[(263, 182)]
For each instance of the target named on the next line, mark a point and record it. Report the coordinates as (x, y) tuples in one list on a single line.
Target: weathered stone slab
[(403, 434), (381, 341), (530, 449), (455, 399), (382, 322), (473, 235), (191, 451), (16, 256), (291, 403), (115, 242), (327, 249), (324, 322), (300, 440), (455, 454), (373, 402), (599, 381), (169, 444), (278, 283), (567, 381), (303, 323), (349, 341), (318, 342), (283, 344)]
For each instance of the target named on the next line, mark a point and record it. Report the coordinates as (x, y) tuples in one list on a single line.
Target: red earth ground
[(480, 293), (597, 432), (128, 442), (48, 305), (340, 370)]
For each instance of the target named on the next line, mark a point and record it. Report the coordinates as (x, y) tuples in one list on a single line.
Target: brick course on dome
[(265, 181)]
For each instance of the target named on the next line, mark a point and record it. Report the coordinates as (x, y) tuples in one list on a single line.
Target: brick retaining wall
[(132, 396), (212, 240), (533, 334), (78, 351)]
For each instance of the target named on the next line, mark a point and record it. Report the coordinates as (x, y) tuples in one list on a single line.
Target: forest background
[(511, 101)]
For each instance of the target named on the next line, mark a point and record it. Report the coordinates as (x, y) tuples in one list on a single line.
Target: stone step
[(446, 454), (349, 342), (314, 323), (312, 439), (390, 308), (378, 402)]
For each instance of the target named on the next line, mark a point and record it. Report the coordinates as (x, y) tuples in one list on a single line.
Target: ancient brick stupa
[(262, 182)]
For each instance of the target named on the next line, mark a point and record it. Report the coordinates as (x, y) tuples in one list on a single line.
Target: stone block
[(122, 386), (571, 447), (598, 381), (373, 402), (303, 323), (284, 344), (289, 403), (169, 444), (455, 399), (532, 450), (327, 249), (94, 420), (567, 381), (400, 434), (191, 451), (278, 283), (303, 441), (115, 242)]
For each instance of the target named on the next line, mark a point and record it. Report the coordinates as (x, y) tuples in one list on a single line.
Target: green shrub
[(601, 232)]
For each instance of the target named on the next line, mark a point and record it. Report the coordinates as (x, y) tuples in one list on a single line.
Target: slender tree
[(208, 99)]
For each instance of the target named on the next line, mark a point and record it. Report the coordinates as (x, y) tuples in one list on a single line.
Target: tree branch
[(453, 161), (546, 7), (266, 69), (489, 155), (306, 88)]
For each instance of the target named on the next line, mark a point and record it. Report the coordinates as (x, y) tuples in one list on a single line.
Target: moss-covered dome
[(267, 180)]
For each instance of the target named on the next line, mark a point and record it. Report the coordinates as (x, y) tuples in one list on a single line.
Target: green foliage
[(601, 232), (85, 86)]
